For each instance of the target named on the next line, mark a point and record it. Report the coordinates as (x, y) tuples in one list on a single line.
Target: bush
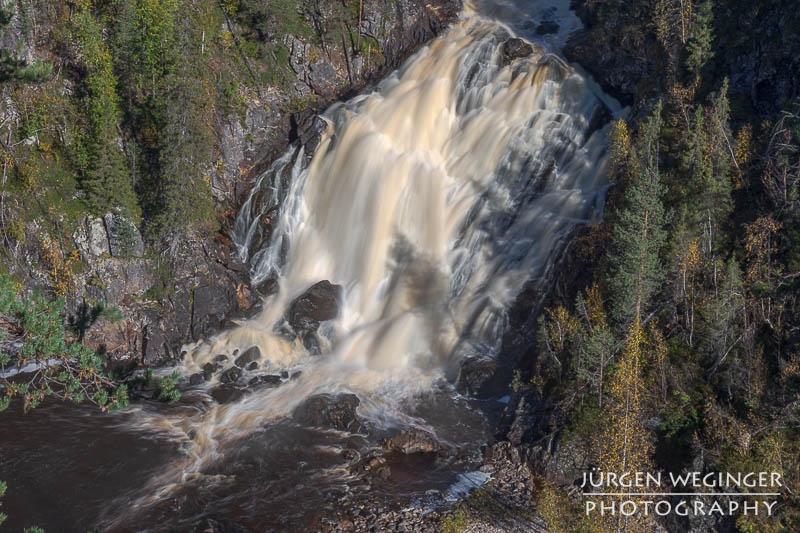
[(61, 368)]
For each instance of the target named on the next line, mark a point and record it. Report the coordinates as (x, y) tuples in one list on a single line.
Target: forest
[(671, 338)]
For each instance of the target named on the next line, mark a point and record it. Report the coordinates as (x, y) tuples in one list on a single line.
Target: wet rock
[(311, 343), (196, 379), (269, 286), (155, 341), (230, 375), (515, 48), (319, 303), (266, 381), (208, 371), (253, 365), (308, 128), (413, 440), (251, 354), (547, 27), (220, 359), (211, 304), (227, 394), (331, 411), (475, 372)]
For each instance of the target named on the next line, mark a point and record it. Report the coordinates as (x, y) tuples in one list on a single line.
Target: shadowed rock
[(330, 411), (251, 354), (230, 375), (413, 440), (227, 394), (267, 381), (514, 49), (474, 374)]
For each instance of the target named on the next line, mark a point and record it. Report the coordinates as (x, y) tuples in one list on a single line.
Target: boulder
[(413, 440), (227, 394), (336, 411), (322, 78), (208, 371), (91, 238), (265, 381), (230, 375), (250, 355), (319, 303), (515, 48), (474, 373)]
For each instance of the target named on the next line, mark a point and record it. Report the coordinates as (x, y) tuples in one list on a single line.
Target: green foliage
[(165, 388), (107, 179), (170, 99), (265, 26), (13, 69), (699, 46), (679, 415), (64, 369), (3, 488), (459, 521), (163, 286), (639, 235)]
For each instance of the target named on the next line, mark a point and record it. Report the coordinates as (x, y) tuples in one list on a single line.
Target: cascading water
[(430, 201)]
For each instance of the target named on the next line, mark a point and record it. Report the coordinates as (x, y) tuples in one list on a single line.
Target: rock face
[(617, 66), (330, 411), (124, 239)]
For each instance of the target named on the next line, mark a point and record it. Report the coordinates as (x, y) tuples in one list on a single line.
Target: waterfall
[(430, 201)]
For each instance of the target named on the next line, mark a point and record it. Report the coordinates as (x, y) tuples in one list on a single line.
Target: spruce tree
[(700, 45), (639, 236), (184, 199), (106, 179)]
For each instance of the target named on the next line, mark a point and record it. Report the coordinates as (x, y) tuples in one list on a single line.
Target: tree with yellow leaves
[(626, 443)]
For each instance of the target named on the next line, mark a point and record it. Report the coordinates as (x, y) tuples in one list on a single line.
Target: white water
[(431, 200)]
